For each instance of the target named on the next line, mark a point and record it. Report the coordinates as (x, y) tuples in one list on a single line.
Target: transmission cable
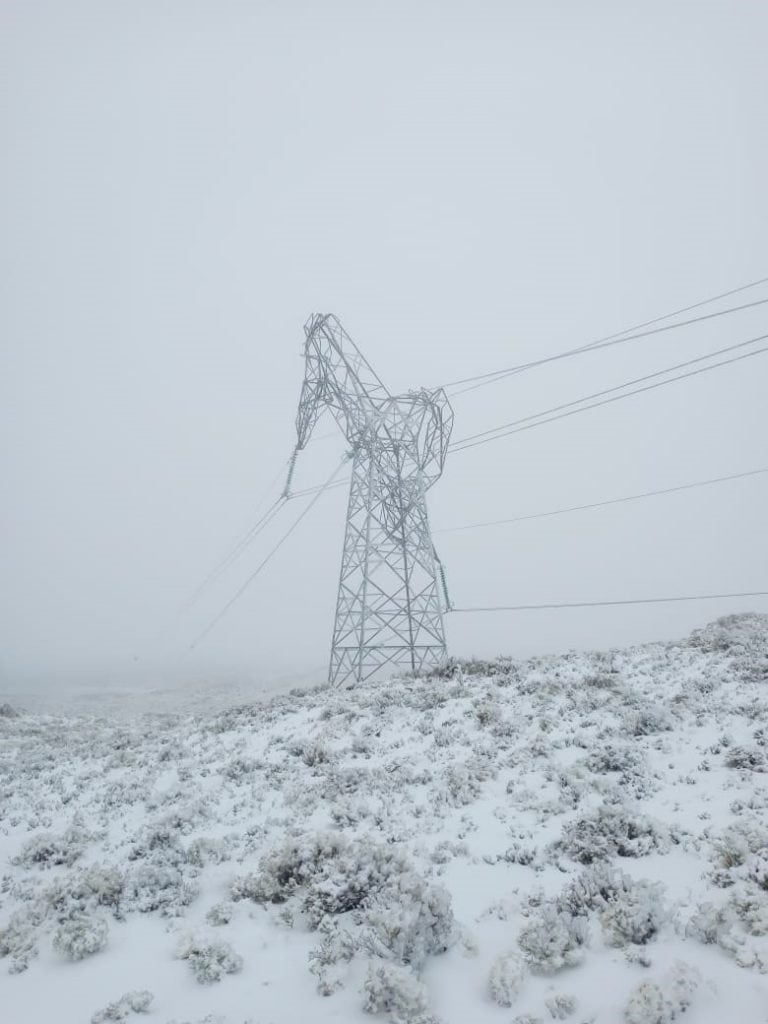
[(608, 341), (611, 390), (602, 504), (237, 550), (525, 425), (269, 557), (605, 604)]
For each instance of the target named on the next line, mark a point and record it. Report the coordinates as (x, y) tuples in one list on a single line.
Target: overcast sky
[(467, 185)]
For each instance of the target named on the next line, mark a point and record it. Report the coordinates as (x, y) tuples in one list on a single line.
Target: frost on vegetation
[(46, 850), (409, 921), (131, 1002), (159, 887), (17, 940), (6, 711), (647, 719), (80, 937), (635, 914), (84, 890), (506, 979), (394, 912), (334, 874), (610, 831), (752, 759), (327, 961), (553, 940), (395, 990), (560, 1006), (220, 913), (209, 960), (652, 1003)]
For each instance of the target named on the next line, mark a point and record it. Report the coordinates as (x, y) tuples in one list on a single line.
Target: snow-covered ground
[(580, 838)]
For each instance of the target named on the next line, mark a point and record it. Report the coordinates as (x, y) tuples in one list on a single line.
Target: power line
[(611, 390), (320, 487), (605, 604), (490, 378), (268, 558), (237, 550), (602, 504), (609, 340), (461, 446)]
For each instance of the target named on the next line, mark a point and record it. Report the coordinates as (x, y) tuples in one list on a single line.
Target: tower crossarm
[(339, 378)]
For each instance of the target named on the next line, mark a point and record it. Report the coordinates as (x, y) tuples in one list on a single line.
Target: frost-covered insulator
[(443, 580), (291, 466)]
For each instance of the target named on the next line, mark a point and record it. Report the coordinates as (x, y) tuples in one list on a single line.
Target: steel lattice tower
[(389, 610)]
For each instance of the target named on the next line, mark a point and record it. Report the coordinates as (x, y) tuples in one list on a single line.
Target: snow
[(580, 838)]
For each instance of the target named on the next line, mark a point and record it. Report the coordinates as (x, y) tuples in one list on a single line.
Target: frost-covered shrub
[(220, 913), (506, 979), (335, 874), (163, 887), (311, 752), (740, 851), (462, 783), (757, 870), (6, 711), (611, 831), (392, 989), (647, 720), (614, 758), (46, 849), (80, 937), (634, 915), (204, 851), (750, 758), (290, 867), (560, 1006), (209, 960), (131, 1002), (751, 907), (555, 939), (650, 1003), (83, 891), (593, 889), (409, 920), (18, 939), (337, 948)]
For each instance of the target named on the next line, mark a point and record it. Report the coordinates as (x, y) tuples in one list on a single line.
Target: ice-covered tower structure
[(392, 594)]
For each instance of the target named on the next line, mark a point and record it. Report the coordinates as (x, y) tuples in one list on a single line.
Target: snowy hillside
[(579, 838)]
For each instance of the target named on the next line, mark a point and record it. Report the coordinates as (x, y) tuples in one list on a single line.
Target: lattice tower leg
[(388, 610)]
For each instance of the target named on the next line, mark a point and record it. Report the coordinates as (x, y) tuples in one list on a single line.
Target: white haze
[(467, 186)]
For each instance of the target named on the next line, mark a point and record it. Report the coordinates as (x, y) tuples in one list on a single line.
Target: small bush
[(634, 915), (392, 989), (650, 1003), (611, 831), (752, 759), (131, 1002), (17, 940), (554, 941), (48, 850), (410, 920), (209, 961), (560, 1007), (506, 979), (647, 720), (80, 937)]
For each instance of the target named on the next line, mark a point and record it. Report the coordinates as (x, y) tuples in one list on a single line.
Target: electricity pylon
[(389, 610)]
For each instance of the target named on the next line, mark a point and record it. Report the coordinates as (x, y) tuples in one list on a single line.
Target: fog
[(466, 186)]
